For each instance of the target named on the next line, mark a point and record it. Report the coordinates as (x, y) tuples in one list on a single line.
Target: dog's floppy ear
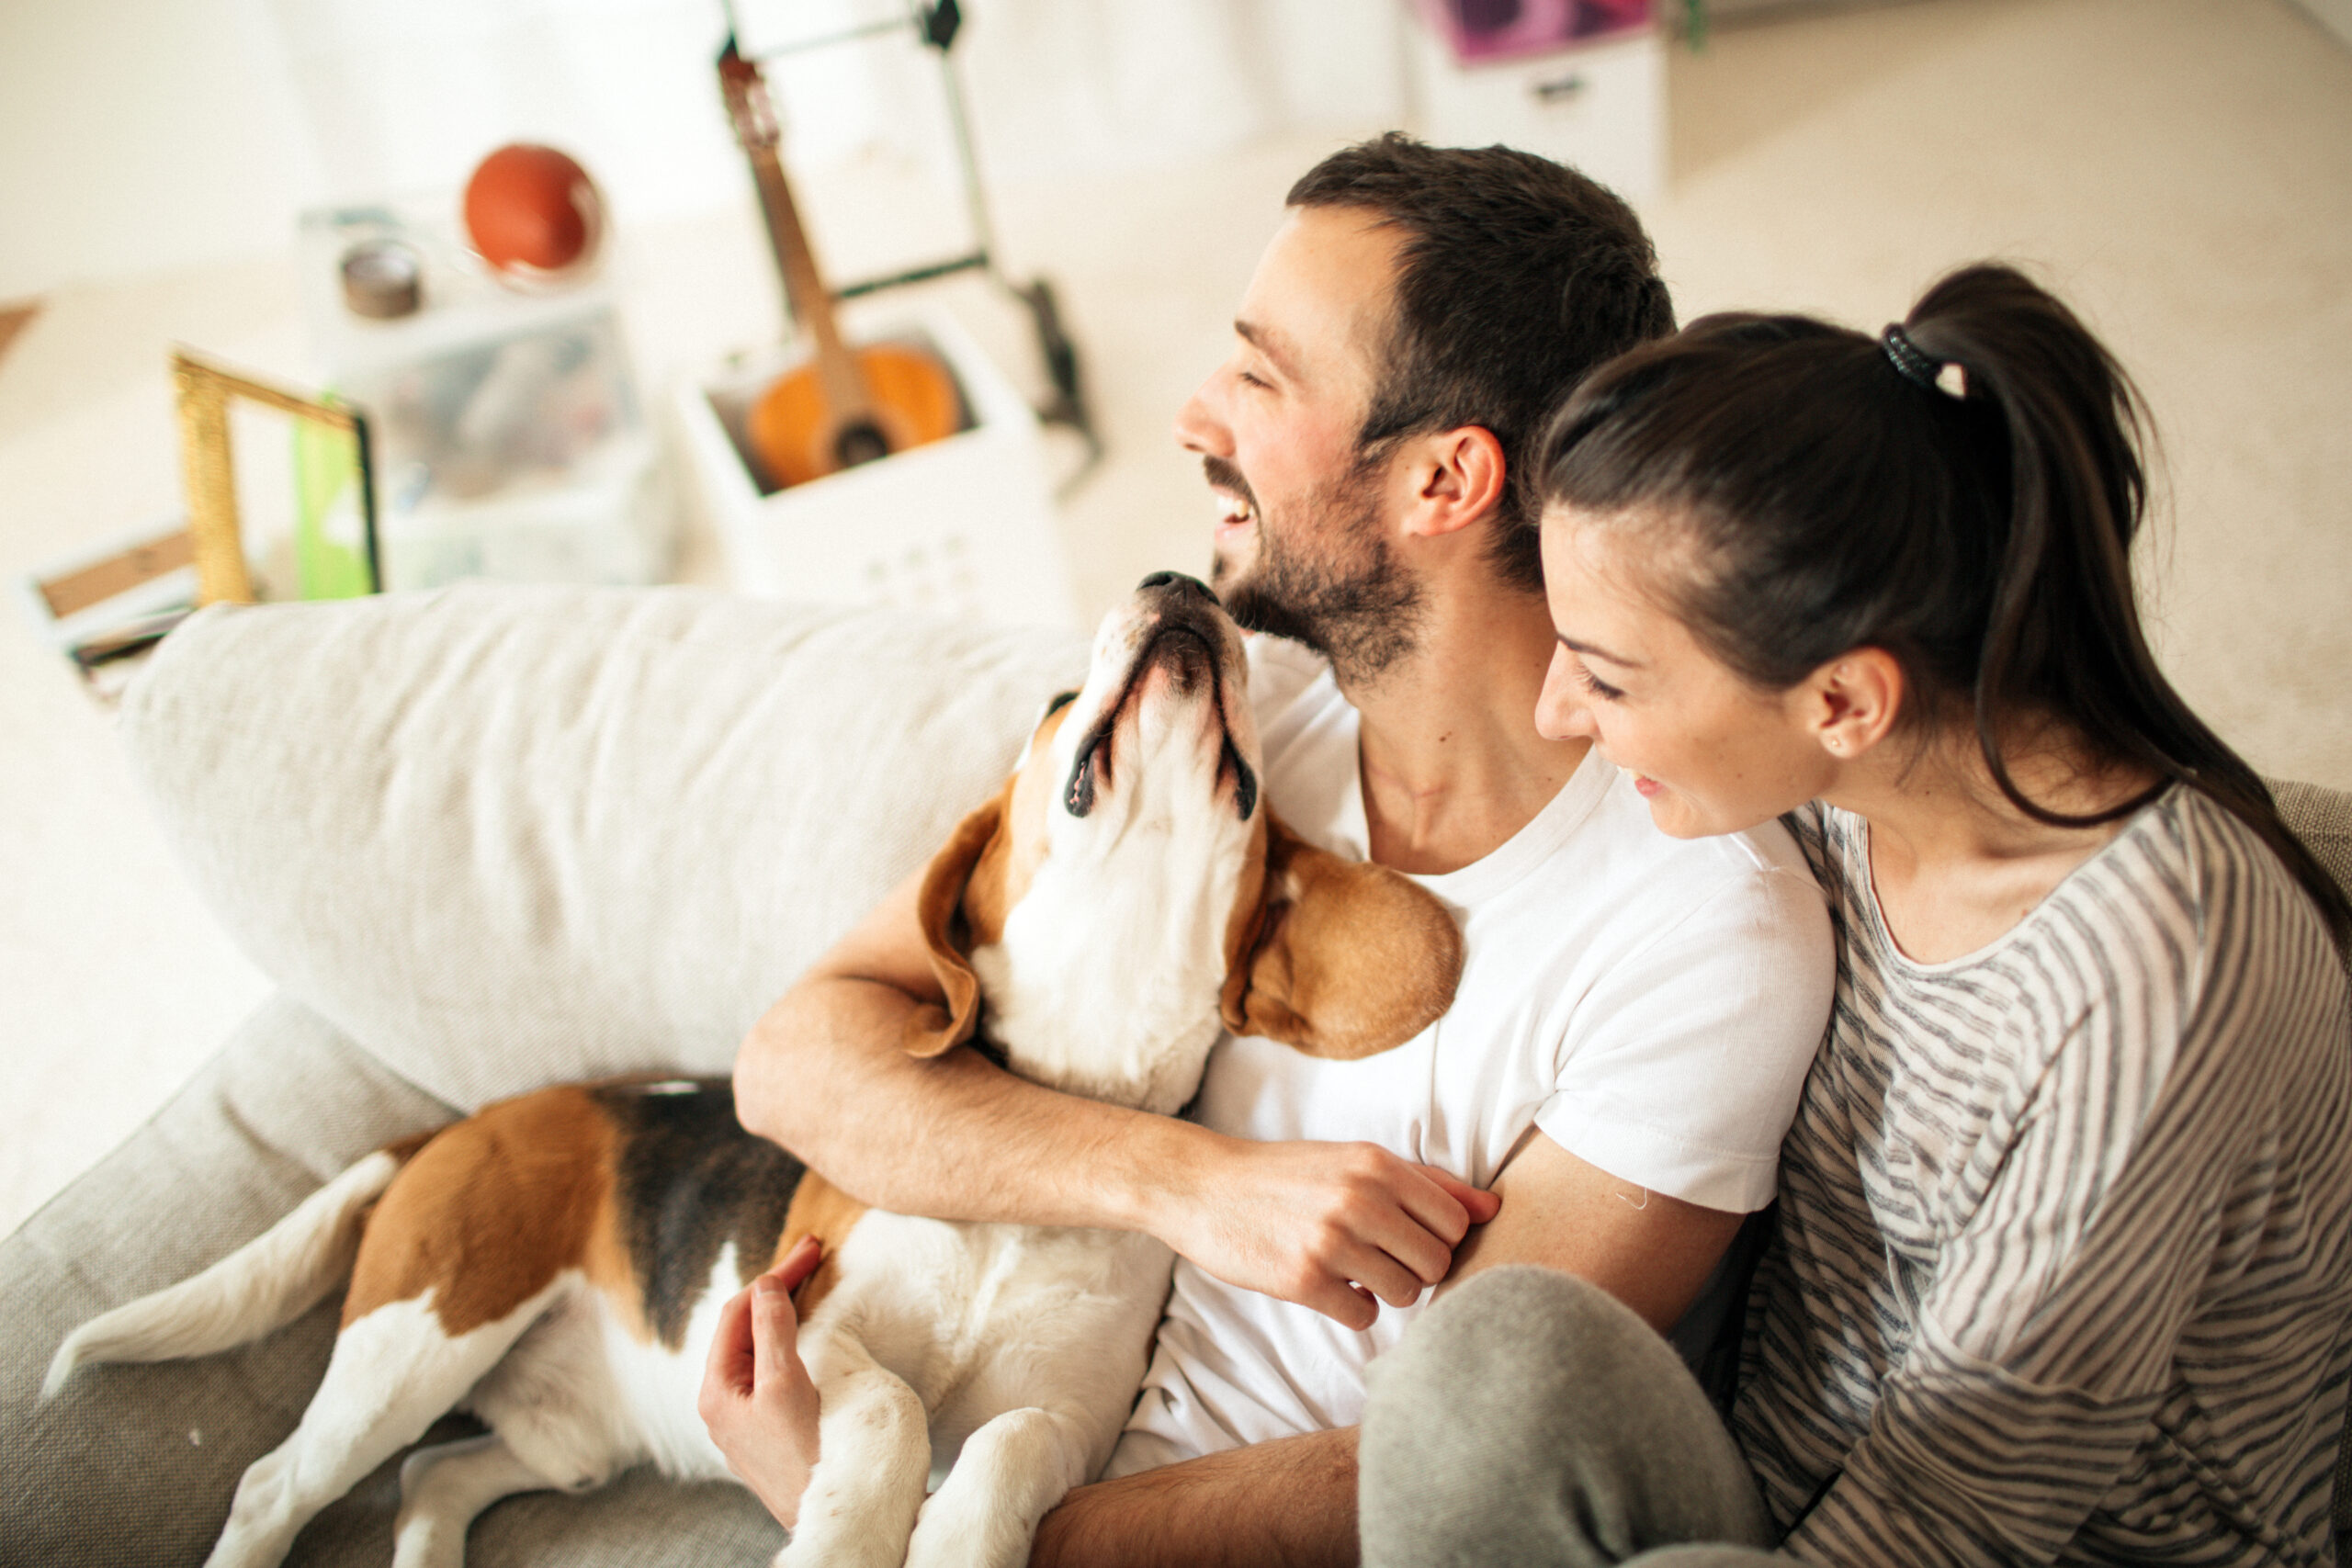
[(947, 930), (1346, 958)]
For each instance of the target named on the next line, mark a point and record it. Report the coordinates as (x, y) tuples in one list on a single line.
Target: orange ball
[(533, 213)]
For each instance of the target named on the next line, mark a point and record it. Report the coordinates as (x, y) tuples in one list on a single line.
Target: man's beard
[(1361, 610)]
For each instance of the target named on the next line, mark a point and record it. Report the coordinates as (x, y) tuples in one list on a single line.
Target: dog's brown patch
[(1010, 864), (1248, 922), (946, 931), (490, 1210), (1347, 959), (972, 885), (824, 1210), (404, 1149)]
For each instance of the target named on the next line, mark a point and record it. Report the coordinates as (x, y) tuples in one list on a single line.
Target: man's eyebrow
[(1598, 652), (1270, 342)]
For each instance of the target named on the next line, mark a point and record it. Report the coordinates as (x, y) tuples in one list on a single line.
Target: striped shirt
[(2066, 1252)]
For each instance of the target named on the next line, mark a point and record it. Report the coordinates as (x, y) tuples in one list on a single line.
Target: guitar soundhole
[(859, 443)]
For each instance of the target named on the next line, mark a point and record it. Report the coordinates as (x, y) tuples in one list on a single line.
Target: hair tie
[(1946, 376)]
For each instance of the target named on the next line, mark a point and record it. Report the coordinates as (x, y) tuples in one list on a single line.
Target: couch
[(483, 838)]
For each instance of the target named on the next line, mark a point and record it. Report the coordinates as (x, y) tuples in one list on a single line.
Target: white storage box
[(510, 442), (1600, 108), (965, 525)]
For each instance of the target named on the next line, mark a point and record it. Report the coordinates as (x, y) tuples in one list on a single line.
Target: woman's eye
[(1598, 687), (1247, 379)]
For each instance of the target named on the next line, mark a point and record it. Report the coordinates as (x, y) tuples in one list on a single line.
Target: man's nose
[(1198, 427)]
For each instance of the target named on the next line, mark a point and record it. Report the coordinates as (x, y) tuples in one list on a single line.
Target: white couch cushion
[(506, 836)]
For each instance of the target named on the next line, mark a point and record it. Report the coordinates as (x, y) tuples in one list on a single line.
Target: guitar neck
[(805, 291)]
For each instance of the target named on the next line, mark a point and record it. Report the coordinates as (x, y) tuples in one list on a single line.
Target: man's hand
[(1338, 1227), (756, 1396)]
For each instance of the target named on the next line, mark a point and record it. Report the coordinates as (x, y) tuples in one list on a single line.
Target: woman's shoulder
[(2257, 933), (2187, 936), (2184, 865), (2191, 858), (2186, 922)]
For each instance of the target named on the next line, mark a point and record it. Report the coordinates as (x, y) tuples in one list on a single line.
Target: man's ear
[(939, 909), (1347, 959), (1459, 479)]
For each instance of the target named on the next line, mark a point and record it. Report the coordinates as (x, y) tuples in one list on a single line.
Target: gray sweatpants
[(1530, 1418)]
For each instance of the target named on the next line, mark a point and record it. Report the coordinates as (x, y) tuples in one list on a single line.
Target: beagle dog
[(556, 1263)]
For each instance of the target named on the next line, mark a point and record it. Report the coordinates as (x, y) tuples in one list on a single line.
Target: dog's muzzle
[(1191, 628)]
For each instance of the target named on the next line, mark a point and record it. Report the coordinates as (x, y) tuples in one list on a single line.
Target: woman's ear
[(1853, 701), (1347, 959), (939, 911)]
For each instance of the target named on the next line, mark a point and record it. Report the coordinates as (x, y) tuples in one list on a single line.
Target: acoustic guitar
[(845, 406)]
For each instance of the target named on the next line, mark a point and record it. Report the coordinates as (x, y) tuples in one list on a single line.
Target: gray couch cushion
[(508, 836)]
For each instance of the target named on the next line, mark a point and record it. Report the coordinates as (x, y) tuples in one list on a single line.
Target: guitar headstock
[(747, 107)]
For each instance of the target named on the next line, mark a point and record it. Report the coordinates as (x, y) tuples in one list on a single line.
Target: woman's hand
[(756, 1397)]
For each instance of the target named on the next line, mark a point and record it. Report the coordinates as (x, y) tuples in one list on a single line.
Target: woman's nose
[(1561, 712)]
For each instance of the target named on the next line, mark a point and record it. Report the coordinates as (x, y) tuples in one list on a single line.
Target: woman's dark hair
[(1979, 531)]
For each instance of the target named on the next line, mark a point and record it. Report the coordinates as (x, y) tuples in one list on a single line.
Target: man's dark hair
[(1516, 277)]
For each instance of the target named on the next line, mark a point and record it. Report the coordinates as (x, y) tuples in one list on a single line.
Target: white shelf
[(1600, 108)]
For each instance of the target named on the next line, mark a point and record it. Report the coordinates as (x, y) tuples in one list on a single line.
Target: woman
[(2065, 1255)]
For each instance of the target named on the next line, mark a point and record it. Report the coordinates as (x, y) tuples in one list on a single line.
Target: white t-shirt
[(1652, 1004)]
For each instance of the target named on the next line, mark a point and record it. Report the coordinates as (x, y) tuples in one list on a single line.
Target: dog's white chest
[(1109, 991)]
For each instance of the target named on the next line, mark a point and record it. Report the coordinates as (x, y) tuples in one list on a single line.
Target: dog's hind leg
[(1012, 1469), (444, 1487), (394, 1372), (873, 1458)]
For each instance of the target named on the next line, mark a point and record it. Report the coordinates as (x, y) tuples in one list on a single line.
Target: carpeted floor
[(2180, 169)]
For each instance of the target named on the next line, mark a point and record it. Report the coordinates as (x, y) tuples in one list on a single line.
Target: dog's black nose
[(1178, 581)]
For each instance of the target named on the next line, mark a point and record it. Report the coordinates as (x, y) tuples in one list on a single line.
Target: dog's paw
[(842, 1539), (953, 1531)]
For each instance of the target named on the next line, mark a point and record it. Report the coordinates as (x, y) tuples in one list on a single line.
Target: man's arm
[(1294, 1501), (953, 1137), (1291, 1502)]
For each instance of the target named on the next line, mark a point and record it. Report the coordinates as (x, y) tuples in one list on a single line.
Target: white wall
[(138, 137)]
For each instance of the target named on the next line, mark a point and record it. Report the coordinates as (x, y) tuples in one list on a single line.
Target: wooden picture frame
[(204, 393)]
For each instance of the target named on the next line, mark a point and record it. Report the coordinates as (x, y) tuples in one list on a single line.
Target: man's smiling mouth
[(1237, 509)]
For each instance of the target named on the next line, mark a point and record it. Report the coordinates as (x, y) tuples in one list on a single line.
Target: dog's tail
[(264, 1284)]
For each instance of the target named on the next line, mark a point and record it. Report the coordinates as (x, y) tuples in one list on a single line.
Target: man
[(1636, 1014)]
